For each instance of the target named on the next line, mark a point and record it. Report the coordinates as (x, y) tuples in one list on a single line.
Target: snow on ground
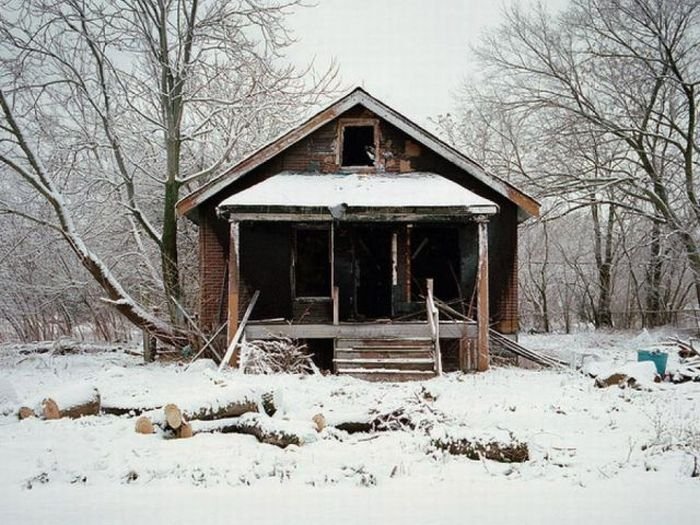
[(597, 455)]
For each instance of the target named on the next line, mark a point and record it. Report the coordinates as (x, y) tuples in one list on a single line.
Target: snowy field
[(597, 455)]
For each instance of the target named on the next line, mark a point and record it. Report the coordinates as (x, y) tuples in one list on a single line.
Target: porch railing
[(433, 315)]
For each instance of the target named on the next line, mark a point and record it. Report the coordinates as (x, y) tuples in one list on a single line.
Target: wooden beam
[(233, 281), (482, 294), (419, 329), (237, 336)]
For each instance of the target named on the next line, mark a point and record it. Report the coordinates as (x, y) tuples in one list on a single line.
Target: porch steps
[(385, 359)]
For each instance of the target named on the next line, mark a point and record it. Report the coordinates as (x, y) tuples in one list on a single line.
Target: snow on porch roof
[(415, 190)]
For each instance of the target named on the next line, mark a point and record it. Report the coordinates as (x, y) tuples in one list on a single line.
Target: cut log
[(266, 430), (173, 416), (72, 402), (268, 403), (49, 409), (25, 412), (144, 425), (319, 422), (185, 431)]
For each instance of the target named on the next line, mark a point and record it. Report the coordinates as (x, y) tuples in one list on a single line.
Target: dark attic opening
[(358, 146)]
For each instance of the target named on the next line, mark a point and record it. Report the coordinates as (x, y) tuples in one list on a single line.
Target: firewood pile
[(689, 355), (276, 356)]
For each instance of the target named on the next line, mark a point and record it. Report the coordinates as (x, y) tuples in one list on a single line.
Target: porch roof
[(355, 196)]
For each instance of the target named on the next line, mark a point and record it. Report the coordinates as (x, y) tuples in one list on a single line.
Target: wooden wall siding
[(398, 153), (458, 354), (213, 260), (305, 311)]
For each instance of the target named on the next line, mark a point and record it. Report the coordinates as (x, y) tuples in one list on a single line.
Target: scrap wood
[(508, 344), (686, 349), (193, 324), (206, 345), (239, 332)]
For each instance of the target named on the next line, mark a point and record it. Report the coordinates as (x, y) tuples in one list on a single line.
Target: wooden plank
[(482, 285), (387, 375), (233, 281), (193, 324), (336, 311), (448, 330), (383, 354), (208, 342), (388, 364), (239, 332)]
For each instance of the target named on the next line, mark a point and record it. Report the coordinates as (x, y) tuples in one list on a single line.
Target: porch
[(355, 264)]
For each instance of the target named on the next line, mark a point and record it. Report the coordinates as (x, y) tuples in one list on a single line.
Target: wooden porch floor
[(411, 329)]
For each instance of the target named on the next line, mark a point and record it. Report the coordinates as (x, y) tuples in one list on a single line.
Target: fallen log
[(72, 402), (224, 405), (265, 429), (223, 411), (503, 448), (115, 410), (396, 419)]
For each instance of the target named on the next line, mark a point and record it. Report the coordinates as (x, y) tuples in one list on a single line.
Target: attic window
[(359, 146)]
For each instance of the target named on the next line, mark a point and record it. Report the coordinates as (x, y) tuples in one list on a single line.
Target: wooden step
[(384, 342), (383, 374), (385, 364), (425, 353)]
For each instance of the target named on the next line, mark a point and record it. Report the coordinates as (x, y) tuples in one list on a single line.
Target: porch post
[(482, 294), (233, 281)]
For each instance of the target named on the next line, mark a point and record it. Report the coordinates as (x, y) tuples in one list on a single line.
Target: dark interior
[(435, 255), (312, 268), (321, 351), (373, 272), (358, 146)]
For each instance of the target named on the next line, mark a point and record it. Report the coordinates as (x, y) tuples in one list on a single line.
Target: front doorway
[(373, 268)]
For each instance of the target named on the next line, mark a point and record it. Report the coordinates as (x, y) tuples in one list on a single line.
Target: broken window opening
[(435, 256), (358, 146), (312, 266)]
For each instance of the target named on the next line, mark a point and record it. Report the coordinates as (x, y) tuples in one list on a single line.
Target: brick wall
[(212, 271)]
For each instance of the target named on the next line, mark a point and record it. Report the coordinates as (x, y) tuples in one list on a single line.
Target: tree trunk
[(603, 257), (652, 305), (169, 256)]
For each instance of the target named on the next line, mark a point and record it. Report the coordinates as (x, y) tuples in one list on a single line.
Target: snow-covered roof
[(527, 206), (347, 191)]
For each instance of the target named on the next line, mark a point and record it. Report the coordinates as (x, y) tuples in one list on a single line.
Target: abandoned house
[(388, 252)]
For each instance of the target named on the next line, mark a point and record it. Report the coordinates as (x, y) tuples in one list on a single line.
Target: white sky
[(412, 54)]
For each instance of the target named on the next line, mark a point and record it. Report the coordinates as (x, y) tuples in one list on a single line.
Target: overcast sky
[(410, 53)]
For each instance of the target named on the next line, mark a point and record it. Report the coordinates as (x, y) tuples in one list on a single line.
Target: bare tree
[(628, 69), (110, 109)]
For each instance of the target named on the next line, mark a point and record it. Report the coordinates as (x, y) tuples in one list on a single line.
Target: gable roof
[(527, 206)]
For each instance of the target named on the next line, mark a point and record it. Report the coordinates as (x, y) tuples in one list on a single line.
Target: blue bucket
[(656, 356)]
